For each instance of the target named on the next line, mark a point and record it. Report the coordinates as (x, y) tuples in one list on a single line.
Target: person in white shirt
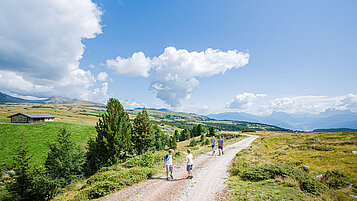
[(169, 164), (189, 163)]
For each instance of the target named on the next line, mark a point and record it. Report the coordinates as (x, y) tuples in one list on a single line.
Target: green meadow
[(296, 166), (37, 136)]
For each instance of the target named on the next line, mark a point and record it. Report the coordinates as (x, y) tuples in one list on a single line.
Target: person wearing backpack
[(169, 164)]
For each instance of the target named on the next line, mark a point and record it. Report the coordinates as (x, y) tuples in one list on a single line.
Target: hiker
[(220, 145), (169, 163), (213, 141), (189, 164)]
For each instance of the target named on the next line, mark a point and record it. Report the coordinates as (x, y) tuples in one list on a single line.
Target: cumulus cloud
[(102, 76), (41, 47), (175, 72), (256, 104), (244, 100), (100, 94), (348, 102), (304, 104), (136, 65)]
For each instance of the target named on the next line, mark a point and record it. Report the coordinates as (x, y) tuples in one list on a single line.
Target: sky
[(204, 57)]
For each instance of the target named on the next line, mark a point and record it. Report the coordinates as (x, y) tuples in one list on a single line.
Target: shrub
[(148, 159), (307, 181), (248, 130), (103, 183), (335, 179), (207, 141), (193, 142), (100, 189)]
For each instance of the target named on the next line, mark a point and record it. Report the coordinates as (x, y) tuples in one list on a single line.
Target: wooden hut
[(31, 117)]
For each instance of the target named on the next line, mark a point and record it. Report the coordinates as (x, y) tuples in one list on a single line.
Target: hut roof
[(34, 115)]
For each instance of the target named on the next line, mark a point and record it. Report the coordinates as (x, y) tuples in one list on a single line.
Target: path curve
[(210, 173)]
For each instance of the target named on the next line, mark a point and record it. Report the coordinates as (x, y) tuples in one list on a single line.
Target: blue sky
[(300, 53)]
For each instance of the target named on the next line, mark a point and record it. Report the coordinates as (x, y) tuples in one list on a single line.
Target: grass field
[(293, 166), (37, 136)]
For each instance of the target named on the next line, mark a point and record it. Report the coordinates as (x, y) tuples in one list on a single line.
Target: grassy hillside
[(294, 166), (81, 119), (37, 136)]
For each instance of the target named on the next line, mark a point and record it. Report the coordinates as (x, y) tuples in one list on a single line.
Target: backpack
[(166, 157)]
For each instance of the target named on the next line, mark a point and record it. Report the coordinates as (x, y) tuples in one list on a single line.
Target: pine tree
[(142, 135), (177, 135), (65, 159), (22, 185), (174, 142), (114, 139), (159, 142), (211, 131), (202, 137)]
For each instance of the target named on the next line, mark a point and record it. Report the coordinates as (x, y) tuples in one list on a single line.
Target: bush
[(248, 130), (307, 182), (103, 183), (335, 179), (193, 142), (147, 159), (100, 189), (207, 141)]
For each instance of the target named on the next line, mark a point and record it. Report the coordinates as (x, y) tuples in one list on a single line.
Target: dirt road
[(210, 174)]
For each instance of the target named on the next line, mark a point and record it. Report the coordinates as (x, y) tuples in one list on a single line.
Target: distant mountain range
[(308, 122), (4, 98)]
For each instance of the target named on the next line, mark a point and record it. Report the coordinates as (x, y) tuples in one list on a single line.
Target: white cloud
[(100, 94), (244, 100), (303, 104), (91, 66), (136, 65), (256, 104), (175, 72), (102, 76), (41, 45), (348, 102)]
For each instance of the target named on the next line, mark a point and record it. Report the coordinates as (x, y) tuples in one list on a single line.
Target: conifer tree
[(173, 142), (177, 135), (22, 186), (114, 139), (65, 159), (142, 135), (211, 131)]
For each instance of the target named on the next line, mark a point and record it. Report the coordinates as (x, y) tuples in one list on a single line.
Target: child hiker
[(220, 145), (168, 163), (189, 164), (213, 141)]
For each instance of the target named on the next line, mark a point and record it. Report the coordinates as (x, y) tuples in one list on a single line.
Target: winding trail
[(210, 173)]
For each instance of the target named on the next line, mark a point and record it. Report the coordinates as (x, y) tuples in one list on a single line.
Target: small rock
[(354, 152), (316, 140), (319, 176), (305, 166)]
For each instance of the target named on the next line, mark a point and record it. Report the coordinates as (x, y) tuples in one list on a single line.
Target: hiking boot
[(167, 179), (172, 177)]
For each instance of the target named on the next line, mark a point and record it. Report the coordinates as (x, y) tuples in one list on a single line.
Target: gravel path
[(210, 174)]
